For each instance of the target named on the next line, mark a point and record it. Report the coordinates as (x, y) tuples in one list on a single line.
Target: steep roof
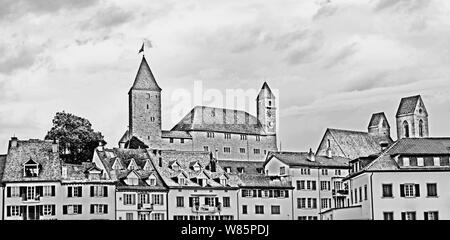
[(202, 118), (39, 151), (300, 159), (356, 144), (250, 167), (125, 138), (260, 181), (265, 92), (144, 78), (2, 165), (408, 105), (79, 173), (377, 118), (185, 159)]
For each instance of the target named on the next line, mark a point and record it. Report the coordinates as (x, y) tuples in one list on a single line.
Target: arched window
[(420, 128), (406, 128)]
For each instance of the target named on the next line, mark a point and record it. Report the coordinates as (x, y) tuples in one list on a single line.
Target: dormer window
[(223, 182), (117, 165), (132, 179), (181, 181), (196, 167), (151, 181), (147, 166), (175, 166), (201, 182), (132, 165), (31, 169)]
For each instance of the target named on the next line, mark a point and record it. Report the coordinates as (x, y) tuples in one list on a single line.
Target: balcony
[(31, 199), (205, 209), (145, 206), (339, 193)]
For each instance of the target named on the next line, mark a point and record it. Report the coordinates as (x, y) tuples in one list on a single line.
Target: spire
[(144, 78), (265, 92)]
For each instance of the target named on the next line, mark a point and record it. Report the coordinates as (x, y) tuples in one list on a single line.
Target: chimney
[(100, 147), (384, 145), (121, 145), (160, 161), (55, 146), (329, 153), (213, 162), (217, 153), (13, 142), (311, 156)]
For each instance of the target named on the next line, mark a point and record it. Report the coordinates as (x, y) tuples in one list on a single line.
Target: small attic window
[(31, 169), (117, 165), (196, 167), (132, 180), (181, 180), (223, 181), (175, 166), (147, 166), (132, 165), (151, 181)]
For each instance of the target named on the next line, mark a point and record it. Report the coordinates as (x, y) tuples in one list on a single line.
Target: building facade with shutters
[(408, 181)]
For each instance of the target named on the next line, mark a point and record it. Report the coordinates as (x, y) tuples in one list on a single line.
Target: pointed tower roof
[(265, 92), (408, 105), (376, 118), (144, 78)]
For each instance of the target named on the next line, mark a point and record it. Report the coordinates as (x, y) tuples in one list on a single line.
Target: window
[(301, 203), (226, 202), (420, 162), (324, 203), (13, 211), (31, 169), (227, 135), (282, 170), (144, 198), (152, 181), (437, 161), (129, 199), (431, 190), (388, 215), (420, 127), (182, 140), (180, 201), (275, 209), (244, 209), (409, 190), (194, 201), (210, 135), (387, 190), (259, 209), (152, 119), (431, 215), (405, 161), (304, 218), (305, 171), (99, 191), (406, 129), (99, 209), (74, 191), (72, 209), (240, 169), (258, 138), (325, 185), (48, 191), (243, 137), (129, 216), (356, 195), (206, 148), (157, 199), (324, 171), (242, 150), (337, 185), (246, 193), (12, 191), (227, 150), (209, 201), (300, 184), (48, 210), (337, 172), (365, 192), (408, 215), (256, 151), (312, 203), (158, 216), (227, 169)]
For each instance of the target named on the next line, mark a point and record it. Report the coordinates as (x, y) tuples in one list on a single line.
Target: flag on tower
[(142, 48)]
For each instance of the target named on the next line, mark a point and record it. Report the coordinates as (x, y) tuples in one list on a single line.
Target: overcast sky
[(334, 63)]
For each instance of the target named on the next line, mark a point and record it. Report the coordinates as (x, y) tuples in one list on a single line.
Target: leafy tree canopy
[(77, 139)]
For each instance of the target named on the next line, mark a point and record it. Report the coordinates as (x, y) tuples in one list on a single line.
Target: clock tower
[(266, 110)]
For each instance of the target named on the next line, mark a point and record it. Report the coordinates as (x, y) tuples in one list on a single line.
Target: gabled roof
[(2, 165), (125, 138), (377, 118), (176, 134), (408, 105), (78, 173), (144, 78), (356, 144), (251, 167), (259, 181), (202, 118), (265, 92), (300, 159), (38, 150)]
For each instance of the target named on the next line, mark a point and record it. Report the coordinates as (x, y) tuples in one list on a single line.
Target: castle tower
[(412, 118), (379, 125), (145, 107), (266, 110)]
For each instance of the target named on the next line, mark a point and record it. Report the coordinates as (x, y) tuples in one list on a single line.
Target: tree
[(77, 139)]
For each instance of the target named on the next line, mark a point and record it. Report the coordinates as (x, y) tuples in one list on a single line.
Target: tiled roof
[(203, 118), (140, 156), (300, 159), (144, 78), (258, 180), (79, 173), (185, 159), (176, 134), (356, 144), (407, 105), (376, 118), (409, 147), (125, 137), (250, 167), (265, 92), (39, 151), (2, 165)]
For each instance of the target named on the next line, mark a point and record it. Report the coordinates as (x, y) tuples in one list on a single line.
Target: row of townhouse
[(133, 184)]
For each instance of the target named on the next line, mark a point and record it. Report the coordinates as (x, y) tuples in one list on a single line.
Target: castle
[(229, 134)]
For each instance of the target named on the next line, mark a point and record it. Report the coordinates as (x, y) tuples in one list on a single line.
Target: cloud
[(107, 18), (308, 52), (401, 5), (22, 58), (345, 53)]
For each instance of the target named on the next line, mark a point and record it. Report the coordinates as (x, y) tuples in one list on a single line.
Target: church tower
[(379, 125), (412, 118), (266, 110), (145, 107)]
